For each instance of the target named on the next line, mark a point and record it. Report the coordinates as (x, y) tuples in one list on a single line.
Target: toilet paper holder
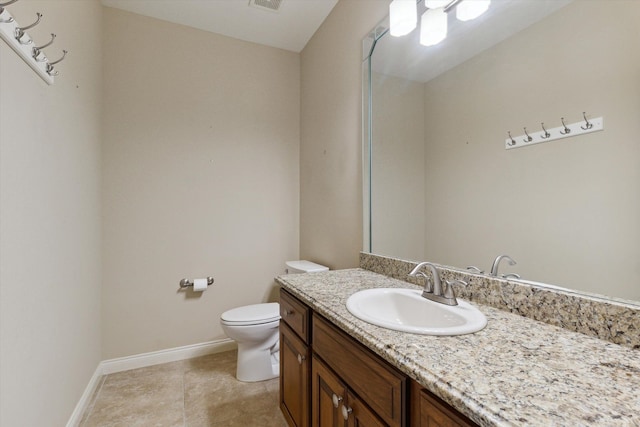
[(185, 283)]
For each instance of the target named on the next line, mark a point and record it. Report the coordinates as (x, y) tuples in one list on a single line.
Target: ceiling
[(289, 28)]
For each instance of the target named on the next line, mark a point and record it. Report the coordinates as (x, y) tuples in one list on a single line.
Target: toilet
[(255, 330), (295, 267)]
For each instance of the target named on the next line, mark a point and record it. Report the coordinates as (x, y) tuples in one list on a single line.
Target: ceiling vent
[(270, 5)]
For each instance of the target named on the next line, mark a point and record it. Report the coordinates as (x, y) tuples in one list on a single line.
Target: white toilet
[(255, 329)]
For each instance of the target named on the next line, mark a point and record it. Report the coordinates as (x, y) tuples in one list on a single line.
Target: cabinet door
[(327, 396), (430, 411), (373, 380), (294, 378), (357, 414)]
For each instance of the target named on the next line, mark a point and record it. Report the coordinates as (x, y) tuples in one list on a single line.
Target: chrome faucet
[(496, 264), (434, 290)]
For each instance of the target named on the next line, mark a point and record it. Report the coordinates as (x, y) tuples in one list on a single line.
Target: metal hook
[(546, 133), (566, 129), (64, 53), (2, 6), (588, 125), (20, 30), (513, 141), (51, 64), (528, 138), (5, 21), (36, 51)]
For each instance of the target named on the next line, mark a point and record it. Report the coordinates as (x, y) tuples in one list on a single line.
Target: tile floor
[(201, 392)]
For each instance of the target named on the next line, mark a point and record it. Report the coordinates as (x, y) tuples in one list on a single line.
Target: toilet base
[(257, 365)]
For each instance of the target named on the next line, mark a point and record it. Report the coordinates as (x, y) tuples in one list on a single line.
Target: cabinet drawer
[(295, 314), (382, 387)]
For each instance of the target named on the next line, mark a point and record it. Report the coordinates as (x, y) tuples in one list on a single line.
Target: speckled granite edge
[(613, 321)]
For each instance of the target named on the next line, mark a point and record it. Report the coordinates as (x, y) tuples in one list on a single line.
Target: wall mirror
[(440, 184)]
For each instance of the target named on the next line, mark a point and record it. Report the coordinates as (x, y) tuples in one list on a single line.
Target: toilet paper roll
[(200, 285)]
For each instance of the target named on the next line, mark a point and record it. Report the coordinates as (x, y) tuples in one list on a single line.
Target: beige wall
[(50, 268), (201, 177), (331, 144)]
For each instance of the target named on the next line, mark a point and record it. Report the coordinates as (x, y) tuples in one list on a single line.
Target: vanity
[(339, 370), (349, 383)]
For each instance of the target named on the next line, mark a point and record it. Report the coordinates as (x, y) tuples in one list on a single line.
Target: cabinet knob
[(287, 313), (336, 400), (345, 412), (300, 358)]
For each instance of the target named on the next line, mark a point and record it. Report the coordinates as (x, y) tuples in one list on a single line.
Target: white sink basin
[(406, 310)]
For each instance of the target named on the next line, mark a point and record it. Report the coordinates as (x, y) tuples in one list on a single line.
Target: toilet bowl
[(255, 329)]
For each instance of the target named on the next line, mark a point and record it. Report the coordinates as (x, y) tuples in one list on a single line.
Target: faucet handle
[(448, 291), (474, 269), (428, 284), (511, 276)]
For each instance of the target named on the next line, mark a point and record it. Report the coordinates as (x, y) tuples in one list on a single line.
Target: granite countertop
[(516, 371)]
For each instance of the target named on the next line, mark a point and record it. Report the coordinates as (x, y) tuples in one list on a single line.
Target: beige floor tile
[(201, 392)]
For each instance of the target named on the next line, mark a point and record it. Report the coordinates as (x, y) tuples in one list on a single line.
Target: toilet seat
[(255, 314)]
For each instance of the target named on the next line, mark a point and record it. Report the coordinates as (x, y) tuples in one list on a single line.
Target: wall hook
[(587, 124), (51, 64), (36, 51), (566, 130), (2, 6), (20, 30), (513, 141), (528, 138), (546, 133)]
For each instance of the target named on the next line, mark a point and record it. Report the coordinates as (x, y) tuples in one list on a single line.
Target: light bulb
[(403, 17), (433, 27), (471, 9)]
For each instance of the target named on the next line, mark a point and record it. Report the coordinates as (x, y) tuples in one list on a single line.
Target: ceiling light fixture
[(403, 17), (433, 27), (471, 9)]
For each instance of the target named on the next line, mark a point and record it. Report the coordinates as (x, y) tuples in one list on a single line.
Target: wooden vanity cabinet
[(328, 379), (427, 410), (295, 361), (370, 381), (333, 404)]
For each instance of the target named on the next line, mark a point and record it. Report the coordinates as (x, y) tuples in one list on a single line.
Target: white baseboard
[(142, 360), (85, 399), (165, 356)]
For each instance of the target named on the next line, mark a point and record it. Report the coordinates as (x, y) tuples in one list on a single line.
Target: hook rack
[(18, 39), (564, 131)]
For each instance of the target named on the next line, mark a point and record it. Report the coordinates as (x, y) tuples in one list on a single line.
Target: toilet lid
[(252, 314)]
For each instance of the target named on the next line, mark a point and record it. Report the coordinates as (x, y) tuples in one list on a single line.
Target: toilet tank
[(294, 267)]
